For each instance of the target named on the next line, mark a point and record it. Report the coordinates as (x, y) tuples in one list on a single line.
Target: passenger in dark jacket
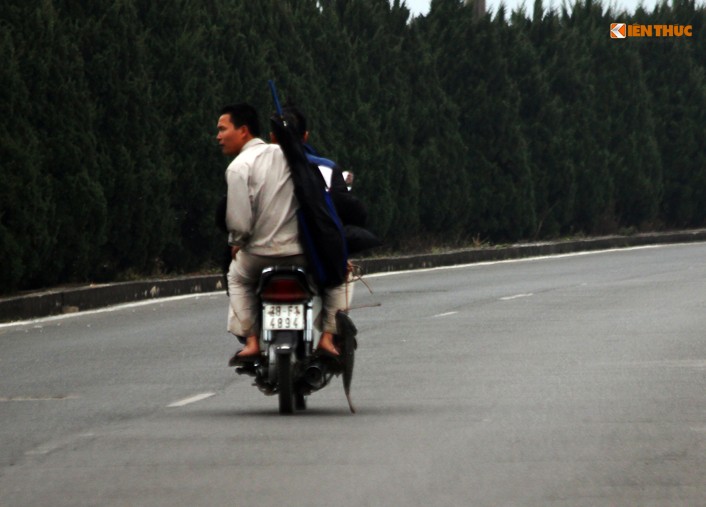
[(349, 209)]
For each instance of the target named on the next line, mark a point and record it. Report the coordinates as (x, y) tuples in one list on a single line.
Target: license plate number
[(283, 317)]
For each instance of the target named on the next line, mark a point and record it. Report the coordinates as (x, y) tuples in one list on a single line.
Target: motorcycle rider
[(349, 209), (262, 224)]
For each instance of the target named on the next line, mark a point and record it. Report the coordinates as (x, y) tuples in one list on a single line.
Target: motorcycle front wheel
[(285, 383)]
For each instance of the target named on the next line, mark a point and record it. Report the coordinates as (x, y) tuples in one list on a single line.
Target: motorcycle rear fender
[(284, 342)]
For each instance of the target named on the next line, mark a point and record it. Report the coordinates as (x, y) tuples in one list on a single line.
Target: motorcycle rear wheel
[(285, 384), (300, 401)]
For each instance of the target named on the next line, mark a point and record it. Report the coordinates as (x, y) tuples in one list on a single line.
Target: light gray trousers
[(244, 308)]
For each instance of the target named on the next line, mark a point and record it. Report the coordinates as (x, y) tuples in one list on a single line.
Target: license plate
[(283, 317)]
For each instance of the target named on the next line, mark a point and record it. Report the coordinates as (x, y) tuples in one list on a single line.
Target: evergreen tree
[(532, 46), (25, 197), (63, 120), (437, 146), (188, 86), (475, 75), (135, 171), (574, 82), (679, 102), (629, 130)]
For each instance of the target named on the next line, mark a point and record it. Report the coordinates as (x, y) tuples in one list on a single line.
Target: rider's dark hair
[(295, 119), (243, 114)]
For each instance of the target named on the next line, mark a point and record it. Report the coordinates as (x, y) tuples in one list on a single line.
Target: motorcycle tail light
[(284, 289)]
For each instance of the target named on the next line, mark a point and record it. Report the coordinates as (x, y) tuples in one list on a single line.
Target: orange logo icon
[(617, 30)]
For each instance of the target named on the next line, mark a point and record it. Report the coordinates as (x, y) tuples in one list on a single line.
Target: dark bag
[(360, 239), (350, 209), (320, 229), (352, 214)]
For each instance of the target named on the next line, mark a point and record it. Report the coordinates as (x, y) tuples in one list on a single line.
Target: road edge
[(75, 299)]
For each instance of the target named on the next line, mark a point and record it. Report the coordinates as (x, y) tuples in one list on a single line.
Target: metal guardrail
[(74, 299)]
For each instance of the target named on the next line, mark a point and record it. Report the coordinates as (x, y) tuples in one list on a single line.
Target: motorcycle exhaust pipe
[(314, 375)]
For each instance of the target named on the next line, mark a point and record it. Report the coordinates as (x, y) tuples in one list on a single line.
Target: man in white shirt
[(261, 220)]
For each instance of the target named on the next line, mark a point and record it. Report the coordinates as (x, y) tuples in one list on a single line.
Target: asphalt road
[(573, 381)]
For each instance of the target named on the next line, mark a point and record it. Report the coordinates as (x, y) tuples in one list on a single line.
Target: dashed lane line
[(191, 399)]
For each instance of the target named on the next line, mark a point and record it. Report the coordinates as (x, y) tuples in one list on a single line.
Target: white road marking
[(523, 259), (697, 364), (45, 449), (50, 447), (445, 314), (108, 309), (38, 398), (516, 296), (192, 399), (210, 295)]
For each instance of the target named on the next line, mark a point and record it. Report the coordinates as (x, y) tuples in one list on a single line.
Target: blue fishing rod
[(278, 107)]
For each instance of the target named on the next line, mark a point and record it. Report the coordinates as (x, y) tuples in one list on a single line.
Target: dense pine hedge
[(512, 126)]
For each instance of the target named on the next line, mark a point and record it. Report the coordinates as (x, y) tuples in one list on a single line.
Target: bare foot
[(326, 344), (250, 351)]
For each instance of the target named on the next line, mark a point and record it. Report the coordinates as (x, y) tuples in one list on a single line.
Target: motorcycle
[(289, 364)]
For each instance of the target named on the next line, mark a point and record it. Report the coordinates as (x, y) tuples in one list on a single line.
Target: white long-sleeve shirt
[(261, 210)]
